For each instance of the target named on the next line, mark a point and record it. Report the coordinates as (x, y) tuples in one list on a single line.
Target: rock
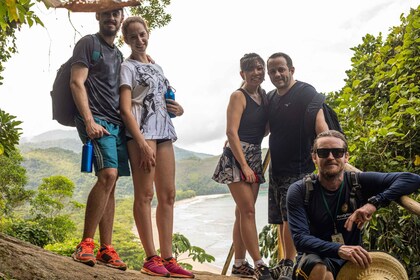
[(21, 260)]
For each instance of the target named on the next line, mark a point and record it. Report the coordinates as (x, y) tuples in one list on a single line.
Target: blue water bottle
[(170, 94), (87, 157)]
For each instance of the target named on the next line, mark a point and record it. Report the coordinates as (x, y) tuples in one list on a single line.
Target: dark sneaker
[(276, 271), (84, 252), (176, 270), (286, 273), (261, 272), (245, 270), (109, 257), (154, 267)]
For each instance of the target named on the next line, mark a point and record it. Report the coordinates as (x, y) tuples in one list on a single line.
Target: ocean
[(207, 222)]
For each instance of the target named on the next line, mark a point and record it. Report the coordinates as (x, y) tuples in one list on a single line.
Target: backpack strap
[(97, 49), (356, 190), (308, 180)]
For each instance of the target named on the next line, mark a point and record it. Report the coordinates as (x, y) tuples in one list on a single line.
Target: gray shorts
[(277, 191), (306, 263)]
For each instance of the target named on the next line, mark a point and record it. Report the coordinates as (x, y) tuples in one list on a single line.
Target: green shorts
[(109, 151)]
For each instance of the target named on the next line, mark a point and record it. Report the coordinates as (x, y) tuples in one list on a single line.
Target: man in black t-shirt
[(291, 110), (95, 86), (325, 223)]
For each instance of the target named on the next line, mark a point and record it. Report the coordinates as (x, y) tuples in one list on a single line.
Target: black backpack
[(331, 118), (63, 107), (355, 193), (330, 115)]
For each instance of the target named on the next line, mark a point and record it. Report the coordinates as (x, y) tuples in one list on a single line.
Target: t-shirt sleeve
[(82, 51), (311, 112), (126, 76)]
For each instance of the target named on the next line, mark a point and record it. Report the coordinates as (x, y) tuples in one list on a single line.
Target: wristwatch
[(375, 202)]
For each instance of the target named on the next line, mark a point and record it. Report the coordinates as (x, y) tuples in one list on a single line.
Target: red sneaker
[(109, 257), (84, 252), (176, 270), (154, 267)]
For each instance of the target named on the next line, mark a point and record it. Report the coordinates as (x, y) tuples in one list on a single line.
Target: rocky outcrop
[(20, 260)]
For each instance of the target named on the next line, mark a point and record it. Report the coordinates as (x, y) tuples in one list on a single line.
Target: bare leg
[(320, 272), (245, 197), (289, 247), (165, 191), (96, 206), (238, 244), (107, 222), (143, 195)]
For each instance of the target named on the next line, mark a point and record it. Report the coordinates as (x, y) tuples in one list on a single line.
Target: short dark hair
[(329, 133), (248, 61), (289, 61)]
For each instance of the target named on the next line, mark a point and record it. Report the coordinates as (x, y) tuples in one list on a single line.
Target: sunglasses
[(336, 152)]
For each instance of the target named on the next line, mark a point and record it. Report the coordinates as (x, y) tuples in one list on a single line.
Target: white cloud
[(200, 51)]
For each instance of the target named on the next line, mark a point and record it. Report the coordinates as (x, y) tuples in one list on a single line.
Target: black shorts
[(306, 263)]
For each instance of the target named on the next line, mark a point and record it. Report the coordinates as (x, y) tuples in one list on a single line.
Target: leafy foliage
[(12, 182), (13, 14), (153, 11), (9, 132), (378, 106), (181, 245), (394, 230)]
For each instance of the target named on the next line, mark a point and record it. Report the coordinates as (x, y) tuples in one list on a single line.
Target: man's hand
[(356, 255), (95, 130), (173, 107), (360, 216)]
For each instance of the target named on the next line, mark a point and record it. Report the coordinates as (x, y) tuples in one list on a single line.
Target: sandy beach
[(184, 258)]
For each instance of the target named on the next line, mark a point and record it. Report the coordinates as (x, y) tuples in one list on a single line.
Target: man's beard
[(331, 174), (108, 32)]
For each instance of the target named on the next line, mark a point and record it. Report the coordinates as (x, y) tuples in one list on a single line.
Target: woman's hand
[(249, 175), (173, 107), (147, 157)]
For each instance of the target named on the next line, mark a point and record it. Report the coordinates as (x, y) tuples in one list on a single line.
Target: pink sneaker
[(154, 267), (176, 270)]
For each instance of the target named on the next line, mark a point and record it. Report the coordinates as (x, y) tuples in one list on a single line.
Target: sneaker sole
[(151, 273), (123, 268), (87, 262), (242, 275)]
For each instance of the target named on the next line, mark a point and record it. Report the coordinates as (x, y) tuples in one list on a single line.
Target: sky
[(199, 51)]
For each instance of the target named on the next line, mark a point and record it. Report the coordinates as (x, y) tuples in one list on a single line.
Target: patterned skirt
[(228, 169)]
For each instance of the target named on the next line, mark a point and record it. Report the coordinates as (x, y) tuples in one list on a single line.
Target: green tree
[(378, 106), (50, 208), (9, 132), (12, 182)]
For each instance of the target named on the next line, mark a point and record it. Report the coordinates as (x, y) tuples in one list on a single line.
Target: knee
[(319, 271), (107, 179), (145, 197), (248, 212), (167, 198)]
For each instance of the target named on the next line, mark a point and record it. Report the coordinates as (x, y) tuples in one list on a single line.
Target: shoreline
[(197, 266)]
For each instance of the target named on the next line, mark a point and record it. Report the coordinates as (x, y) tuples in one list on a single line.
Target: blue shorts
[(110, 151), (277, 192)]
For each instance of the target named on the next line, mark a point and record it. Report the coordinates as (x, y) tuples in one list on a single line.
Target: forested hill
[(58, 152)]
